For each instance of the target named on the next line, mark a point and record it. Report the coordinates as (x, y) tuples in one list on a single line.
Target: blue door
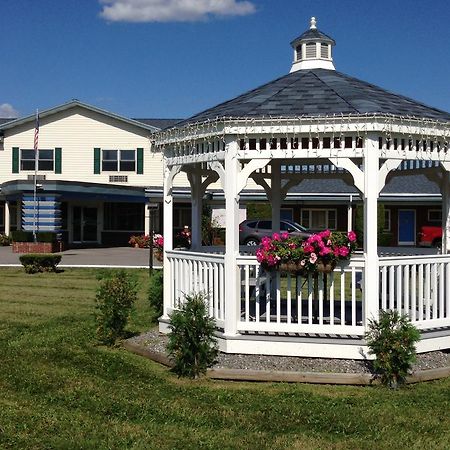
[(406, 227)]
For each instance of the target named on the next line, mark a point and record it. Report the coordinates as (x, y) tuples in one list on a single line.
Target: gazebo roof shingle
[(318, 92)]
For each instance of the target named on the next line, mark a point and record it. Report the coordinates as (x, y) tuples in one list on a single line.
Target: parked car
[(251, 231), (430, 236)]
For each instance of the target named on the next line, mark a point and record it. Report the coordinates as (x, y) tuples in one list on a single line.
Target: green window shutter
[(15, 160), (97, 152), (57, 160), (140, 161)]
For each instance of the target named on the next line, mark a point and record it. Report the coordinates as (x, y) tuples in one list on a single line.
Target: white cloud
[(172, 10), (7, 111)]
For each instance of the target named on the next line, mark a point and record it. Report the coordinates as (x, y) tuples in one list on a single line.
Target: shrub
[(114, 301), (191, 342), (155, 293), (391, 339), (27, 236), (5, 240), (40, 262)]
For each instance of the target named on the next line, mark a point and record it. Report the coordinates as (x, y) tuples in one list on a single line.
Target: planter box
[(37, 247)]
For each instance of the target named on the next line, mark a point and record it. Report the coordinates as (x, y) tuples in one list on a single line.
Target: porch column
[(195, 181), (350, 214), (232, 296), (445, 189), (371, 192), (146, 219), (276, 194), (7, 219)]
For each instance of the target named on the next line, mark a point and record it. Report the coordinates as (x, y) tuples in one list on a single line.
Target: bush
[(5, 240), (391, 339), (155, 293), (191, 342), (115, 298), (40, 262)]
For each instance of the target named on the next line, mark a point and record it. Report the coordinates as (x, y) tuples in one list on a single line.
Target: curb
[(355, 379)]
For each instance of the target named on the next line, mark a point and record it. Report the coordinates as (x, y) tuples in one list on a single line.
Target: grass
[(60, 390)]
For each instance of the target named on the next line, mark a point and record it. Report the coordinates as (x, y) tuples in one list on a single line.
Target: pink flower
[(325, 251), (276, 237), (284, 235), (343, 251), (303, 262), (308, 248), (325, 234), (313, 258), (292, 245), (351, 236)]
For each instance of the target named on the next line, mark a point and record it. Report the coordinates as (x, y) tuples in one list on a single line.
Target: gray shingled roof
[(399, 184), (318, 92), (313, 35), (159, 123)]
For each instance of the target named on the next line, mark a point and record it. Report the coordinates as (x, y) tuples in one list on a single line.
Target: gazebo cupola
[(312, 50)]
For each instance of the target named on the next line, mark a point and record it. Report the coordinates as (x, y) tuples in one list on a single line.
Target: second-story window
[(118, 160), (45, 161)]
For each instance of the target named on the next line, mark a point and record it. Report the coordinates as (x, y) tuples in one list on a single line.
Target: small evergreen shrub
[(155, 293), (392, 340), (191, 342), (40, 262), (27, 236), (115, 299)]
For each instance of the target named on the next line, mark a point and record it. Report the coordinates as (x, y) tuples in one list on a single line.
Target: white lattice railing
[(418, 286), (276, 302), (198, 272)]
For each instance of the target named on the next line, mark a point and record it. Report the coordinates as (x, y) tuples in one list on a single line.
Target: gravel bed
[(156, 342)]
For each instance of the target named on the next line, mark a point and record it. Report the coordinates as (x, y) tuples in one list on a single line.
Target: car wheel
[(252, 241)]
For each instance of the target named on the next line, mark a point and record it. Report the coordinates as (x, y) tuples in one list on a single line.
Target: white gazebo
[(313, 122)]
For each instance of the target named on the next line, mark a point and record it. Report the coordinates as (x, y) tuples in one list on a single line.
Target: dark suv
[(251, 231)]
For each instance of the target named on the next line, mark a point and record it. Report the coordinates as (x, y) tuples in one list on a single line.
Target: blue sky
[(173, 58)]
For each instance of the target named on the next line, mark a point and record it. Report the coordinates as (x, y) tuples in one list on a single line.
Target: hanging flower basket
[(326, 267), (318, 253)]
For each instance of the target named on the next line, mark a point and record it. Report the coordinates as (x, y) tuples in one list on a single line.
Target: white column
[(168, 239), (445, 189), (232, 299), (146, 219), (276, 194), (195, 181), (7, 219), (371, 191), (350, 214)]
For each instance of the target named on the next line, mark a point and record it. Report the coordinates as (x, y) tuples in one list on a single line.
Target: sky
[(174, 58)]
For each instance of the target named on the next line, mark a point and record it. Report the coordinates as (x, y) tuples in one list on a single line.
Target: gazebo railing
[(418, 286)]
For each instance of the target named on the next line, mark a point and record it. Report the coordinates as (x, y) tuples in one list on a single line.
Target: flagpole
[(36, 159)]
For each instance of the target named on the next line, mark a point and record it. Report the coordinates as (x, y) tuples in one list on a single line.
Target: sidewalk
[(92, 257)]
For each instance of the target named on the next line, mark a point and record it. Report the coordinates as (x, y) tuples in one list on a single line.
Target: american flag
[(36, 133)]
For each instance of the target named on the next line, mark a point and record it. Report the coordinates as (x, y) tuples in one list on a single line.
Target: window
[(182, 217), (2, 217), (118, 160), (299, 52), (124, 216), (324, 50), (434, 215), (319, 219), (387, 220), (311, 50), (45, 161)]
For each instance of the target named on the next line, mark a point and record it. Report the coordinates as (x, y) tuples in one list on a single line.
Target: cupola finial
[(313, 25)]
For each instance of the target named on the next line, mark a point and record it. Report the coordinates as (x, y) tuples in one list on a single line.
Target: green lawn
[(59, 390)]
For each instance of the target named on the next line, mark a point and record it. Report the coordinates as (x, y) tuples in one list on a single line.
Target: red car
[(430, 236)]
